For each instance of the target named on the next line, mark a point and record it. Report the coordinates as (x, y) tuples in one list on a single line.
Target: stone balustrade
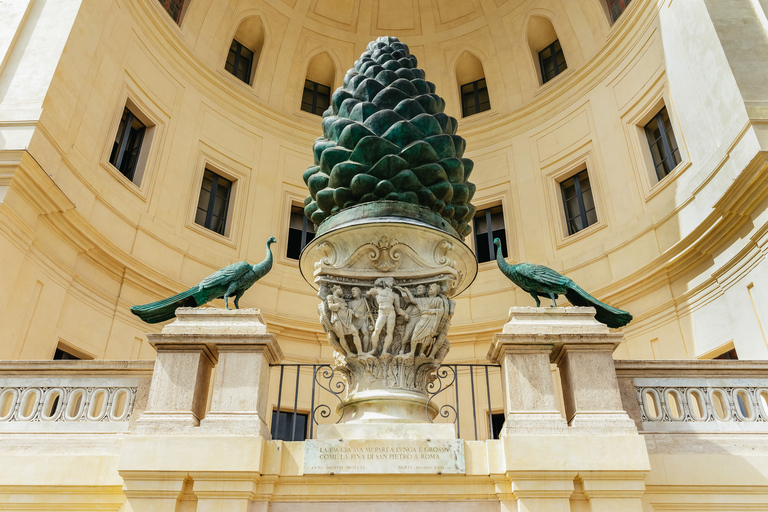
[(695, 396), (72, 396)]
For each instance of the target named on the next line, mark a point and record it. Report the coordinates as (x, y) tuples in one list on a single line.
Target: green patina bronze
[(541, 281), (386, 138), (230, 281)]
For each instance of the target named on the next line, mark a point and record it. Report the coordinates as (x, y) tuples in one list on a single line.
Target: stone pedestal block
[(581, 347), (238, 344)]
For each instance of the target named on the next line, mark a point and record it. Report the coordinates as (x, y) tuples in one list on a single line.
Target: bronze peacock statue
[(230, 281), (541, 281)]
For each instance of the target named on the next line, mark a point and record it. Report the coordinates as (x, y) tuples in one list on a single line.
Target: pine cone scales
[(385, 137)]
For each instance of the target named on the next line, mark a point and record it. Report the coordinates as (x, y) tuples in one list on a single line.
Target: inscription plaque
[(384, 456)]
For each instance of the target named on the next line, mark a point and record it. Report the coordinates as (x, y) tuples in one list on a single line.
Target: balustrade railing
[(696, 396), (305, 396), (72, 396)]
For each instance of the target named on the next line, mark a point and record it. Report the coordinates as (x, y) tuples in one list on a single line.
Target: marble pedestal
[(234, 342), (582, 349)]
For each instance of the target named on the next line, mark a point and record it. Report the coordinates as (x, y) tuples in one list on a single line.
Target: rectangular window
[(316, 98), (661, 138), (475, 98), (731, 354), (497, 422), (552, 60), (127, 146), (578, 202), (616, 7), (239, 61), (173, 7), (487, 225), (301, 231), (213, 205), (63, 355), (289, 426)]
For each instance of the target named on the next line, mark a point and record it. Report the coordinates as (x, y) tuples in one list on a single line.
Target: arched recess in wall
[(546, 50), (245, 49), (318, 84), (472, 85)]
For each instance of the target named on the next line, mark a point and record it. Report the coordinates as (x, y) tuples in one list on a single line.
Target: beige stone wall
[(81, 243)]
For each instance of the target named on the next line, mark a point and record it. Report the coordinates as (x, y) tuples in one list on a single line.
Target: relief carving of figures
[(341, 320), (432, 309), (368, 325), (389, 308)]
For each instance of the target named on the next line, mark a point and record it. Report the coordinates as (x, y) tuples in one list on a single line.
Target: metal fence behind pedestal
[(304, 396)]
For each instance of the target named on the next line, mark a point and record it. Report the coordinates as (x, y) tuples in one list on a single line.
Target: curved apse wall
[(681, 253)]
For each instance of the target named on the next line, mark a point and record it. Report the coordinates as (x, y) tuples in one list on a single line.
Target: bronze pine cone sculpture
[(386, 138)]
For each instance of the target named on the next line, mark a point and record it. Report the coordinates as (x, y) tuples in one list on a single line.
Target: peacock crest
[(386, 137)]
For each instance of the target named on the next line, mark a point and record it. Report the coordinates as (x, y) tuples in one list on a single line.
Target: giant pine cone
[(385, 137)]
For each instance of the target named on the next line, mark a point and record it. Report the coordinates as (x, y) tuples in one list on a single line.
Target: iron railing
[(467, 395)]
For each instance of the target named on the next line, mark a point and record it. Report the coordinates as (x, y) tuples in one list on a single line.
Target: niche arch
[(469, 70), (540, 34), (251, 34)]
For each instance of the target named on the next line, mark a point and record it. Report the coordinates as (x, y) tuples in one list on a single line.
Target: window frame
[(289, 413), (212, 201), (490, 233), (558, 72), (670, 153), (166, 4), (476, 96), (624, 5), (306, 225), (579, 195), (146, 112), (234, 171), (314, 97), (238, 56), (125, 142)]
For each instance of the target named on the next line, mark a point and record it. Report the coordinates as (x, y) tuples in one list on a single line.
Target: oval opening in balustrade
[(744, 409), (7, 403), (674, 404), (52, 404), (762, 398), (75, 405), (98, 406), (720, 404), (651, 404), (119, 410), (29, 401), (696, 404)]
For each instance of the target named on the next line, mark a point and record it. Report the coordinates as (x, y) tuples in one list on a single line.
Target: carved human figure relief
[(431, 312), (341, 321), (362, 319), (389, 307)]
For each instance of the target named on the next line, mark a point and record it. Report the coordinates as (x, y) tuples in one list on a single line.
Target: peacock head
[(497, 242), (271, 240)]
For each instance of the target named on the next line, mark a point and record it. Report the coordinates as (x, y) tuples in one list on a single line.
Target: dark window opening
[(173, 7), (731, 354), (63, 355), (301, 231), (127, 145), (213, 205), (289, 426), (552, 61), (239, 61), (475, 98), (661, 138), (497, 422), (489, 224), (616, 7), (316, 98), (578, 202)]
